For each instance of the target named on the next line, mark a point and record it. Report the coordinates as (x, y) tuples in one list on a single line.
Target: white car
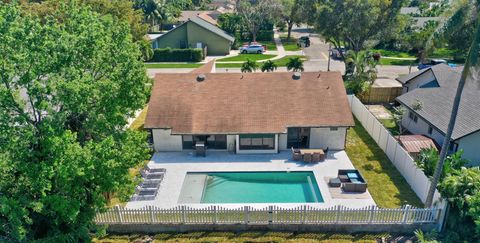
[(252, 49)]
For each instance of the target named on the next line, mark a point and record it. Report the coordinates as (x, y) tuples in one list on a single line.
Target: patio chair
[(316, 157), (154, 170), (307, 158), (296, 156)]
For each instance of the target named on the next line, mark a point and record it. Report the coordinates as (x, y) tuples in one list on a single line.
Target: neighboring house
[(249, 113), (196, 33), (429, 100), (428, 77)]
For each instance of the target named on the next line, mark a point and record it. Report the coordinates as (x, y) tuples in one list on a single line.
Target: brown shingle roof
[(415, 143), (205, 68), (233, 103)]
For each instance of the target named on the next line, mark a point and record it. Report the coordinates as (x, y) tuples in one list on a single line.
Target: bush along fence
[(402, 160), (372, 217), (177, 55)]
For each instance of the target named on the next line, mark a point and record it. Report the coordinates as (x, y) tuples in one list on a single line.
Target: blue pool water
[(260, 187)]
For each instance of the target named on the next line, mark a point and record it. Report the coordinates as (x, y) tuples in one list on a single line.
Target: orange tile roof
[(235, 103), (415, 143)]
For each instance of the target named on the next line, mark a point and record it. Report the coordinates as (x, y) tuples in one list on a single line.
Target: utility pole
[(329, 50)]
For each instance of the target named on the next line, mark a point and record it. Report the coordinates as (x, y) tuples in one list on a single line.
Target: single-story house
[(249, 112), (429, 101), (196, 33)]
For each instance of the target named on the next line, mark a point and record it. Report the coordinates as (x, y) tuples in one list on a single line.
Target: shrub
[(177, 55)]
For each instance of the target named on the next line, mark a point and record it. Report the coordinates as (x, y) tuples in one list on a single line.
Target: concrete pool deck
[(178, 164)]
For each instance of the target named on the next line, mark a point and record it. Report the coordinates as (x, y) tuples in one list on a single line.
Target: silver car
[(252, 49)]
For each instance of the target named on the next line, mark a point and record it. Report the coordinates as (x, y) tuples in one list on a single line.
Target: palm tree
[(361, 70), (471, 71), (269, 66), (155, 11), (295, 64), (249, 66)]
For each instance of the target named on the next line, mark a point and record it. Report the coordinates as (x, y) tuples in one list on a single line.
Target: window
[(413, 116), (430, 130), (211, 141), (257, 141), (334, 129)]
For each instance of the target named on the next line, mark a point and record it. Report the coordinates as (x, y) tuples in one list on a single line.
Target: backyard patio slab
[(178, 164)]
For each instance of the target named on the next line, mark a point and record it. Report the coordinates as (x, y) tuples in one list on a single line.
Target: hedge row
[(177, 55)]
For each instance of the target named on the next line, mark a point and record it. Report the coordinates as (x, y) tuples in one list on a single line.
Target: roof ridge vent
[(296, 75), (201, 77)]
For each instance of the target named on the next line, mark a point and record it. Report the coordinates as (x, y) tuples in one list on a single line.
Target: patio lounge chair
[(154, 170), (155, 184), (157, 175)]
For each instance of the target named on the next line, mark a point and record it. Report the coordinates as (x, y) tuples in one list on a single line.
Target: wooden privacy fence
[(304, 214)]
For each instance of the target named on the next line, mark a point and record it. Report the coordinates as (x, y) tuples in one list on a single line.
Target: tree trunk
[(472, 59), (289, 29), (254, 36)]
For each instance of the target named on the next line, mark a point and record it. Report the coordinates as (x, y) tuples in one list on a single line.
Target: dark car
[(434, 62), (338, 53), (303, 41)]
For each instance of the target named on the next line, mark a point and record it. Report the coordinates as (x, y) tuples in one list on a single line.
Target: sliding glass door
[(298, 137), (211, 141)]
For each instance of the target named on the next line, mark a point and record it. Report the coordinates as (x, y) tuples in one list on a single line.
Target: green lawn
[(388, 61), (271, 46), (282, 62), (243, 57), (241, 237), (390, 53), (173, 65), (386, 185), (391, 125), (290, 45)]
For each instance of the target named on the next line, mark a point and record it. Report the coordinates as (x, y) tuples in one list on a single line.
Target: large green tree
[(291, 14), (257, 13), (352, 23), (68, 83)]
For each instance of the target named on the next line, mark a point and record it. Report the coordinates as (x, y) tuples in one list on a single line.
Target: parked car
[(259, 49), (433, 62), (338, 53), (303, 41)]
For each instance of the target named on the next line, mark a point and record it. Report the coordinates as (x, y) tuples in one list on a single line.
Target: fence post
[(152, 217), (215, 214), (270, 214), (405, 213), (337, 213), (119, 213), (304, 219), (184, 214), (246, 214), (370, 217)]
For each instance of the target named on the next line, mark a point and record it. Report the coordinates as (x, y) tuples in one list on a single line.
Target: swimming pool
[(250, 187)]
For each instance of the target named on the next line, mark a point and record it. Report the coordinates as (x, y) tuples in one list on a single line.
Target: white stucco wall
[(420, 80), (421, 127), (250, 151), (164, 141), (282, 142), (471, 147), (322, 138)]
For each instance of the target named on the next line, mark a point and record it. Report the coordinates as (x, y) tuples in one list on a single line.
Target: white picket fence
[(304, 214), (396, 153)]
